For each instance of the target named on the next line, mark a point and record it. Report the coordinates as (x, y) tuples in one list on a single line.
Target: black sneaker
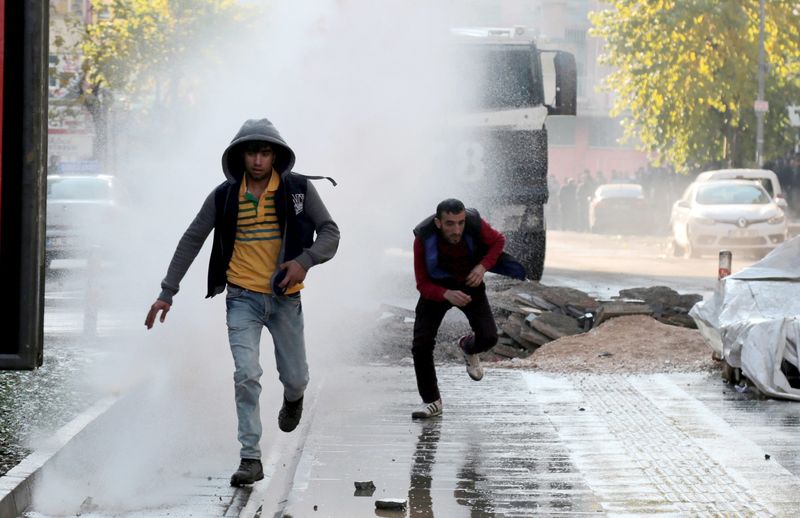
[(290, 413), (249, 471)]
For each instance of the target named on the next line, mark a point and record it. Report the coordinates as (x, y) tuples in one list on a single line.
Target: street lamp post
[(761, 105)]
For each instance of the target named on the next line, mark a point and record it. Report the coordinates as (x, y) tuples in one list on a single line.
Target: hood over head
[(256, 130)]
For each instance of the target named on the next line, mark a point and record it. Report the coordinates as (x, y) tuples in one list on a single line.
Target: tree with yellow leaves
[(140, 50), (685, 76)]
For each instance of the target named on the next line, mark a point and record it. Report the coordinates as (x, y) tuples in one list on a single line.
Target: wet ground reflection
[(488, 482), (420, 501), (471, 486), (470, 490)]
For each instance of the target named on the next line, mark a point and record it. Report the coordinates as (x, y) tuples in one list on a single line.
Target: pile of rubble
[(530, 314)]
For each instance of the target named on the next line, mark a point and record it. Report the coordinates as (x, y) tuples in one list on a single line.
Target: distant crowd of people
[(787, 168), (568, 207)]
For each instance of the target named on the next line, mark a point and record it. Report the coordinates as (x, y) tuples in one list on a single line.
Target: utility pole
[(761, 106)]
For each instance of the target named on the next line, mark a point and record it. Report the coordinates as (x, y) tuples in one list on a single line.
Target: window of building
[(76, 7)]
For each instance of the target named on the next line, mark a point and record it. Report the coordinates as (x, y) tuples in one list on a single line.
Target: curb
[(269, 497), (16, 486)]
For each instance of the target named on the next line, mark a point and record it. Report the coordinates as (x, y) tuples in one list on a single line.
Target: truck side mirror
[(566, 84)]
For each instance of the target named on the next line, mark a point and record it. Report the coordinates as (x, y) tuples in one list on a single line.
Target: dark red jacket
[(485, 245)]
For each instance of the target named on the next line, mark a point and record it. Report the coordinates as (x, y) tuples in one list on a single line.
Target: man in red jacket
[(453, 250)]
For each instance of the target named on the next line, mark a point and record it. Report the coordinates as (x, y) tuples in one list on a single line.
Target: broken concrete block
[(364, 488), (397, 504), (563, 296), (678, 319), (533, 338), (510, 306), (531, 299), (556, 325), (618, 309), (512, 325), (663, 295)]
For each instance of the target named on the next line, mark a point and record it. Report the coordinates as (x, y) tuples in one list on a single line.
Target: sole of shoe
[(475, 377), (422, 415), (241, 481)]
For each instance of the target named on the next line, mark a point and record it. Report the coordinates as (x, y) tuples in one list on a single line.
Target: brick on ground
[(610, 310), (556, 325)]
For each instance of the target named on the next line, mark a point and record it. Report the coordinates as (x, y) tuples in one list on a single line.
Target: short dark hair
[(450, 206), (254, 146)]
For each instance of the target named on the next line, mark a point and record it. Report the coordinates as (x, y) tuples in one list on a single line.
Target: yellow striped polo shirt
[(258, 240)]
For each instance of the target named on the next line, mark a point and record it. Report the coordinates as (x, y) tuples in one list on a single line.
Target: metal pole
[(760, 111)]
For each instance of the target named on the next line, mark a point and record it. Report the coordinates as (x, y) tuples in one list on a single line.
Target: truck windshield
[(502, 76)]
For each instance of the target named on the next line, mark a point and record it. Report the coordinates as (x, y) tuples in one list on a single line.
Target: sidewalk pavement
[(516, 443)]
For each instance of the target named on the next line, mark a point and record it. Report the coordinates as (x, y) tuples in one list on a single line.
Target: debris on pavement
[(396, 504), (531, 314), (538, 323), (364, 488)]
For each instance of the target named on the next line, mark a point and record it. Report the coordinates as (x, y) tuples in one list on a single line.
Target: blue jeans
[(247, 313)]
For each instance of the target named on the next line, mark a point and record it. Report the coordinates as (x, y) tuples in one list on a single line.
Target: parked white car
[(768, 180), (726, 215)]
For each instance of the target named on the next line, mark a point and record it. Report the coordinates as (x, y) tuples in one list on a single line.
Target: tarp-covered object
[(753, 319)]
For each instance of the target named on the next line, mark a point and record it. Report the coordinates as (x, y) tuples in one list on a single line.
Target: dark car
[(619, 207), (81, 210)]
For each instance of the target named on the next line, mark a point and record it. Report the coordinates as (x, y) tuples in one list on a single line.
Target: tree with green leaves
[(685, 76), (141, 51)]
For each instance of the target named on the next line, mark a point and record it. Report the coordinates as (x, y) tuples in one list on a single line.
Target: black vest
[(297, 230), (429, 234)]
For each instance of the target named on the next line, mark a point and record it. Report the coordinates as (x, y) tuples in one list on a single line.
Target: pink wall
[(571, 161)]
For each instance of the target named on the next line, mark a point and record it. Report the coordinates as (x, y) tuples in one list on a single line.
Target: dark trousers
[(426, 326)]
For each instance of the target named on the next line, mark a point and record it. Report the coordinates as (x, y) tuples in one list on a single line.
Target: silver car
[(81, 212), (726, 215)]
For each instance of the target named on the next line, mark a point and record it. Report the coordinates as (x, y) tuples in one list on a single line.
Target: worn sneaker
[(290, 413), (249, 471), (473, 361), (428, 410)]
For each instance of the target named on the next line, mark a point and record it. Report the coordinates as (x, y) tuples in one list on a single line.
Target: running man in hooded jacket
[(264, 218)]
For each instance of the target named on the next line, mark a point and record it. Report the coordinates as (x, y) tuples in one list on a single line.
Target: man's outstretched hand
[(457, 298), (475, 277), (157, 306)]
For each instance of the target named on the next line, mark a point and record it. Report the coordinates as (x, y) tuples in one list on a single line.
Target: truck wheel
[(533, 259)]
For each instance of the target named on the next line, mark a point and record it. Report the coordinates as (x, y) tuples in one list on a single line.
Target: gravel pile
[(631, 344)]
